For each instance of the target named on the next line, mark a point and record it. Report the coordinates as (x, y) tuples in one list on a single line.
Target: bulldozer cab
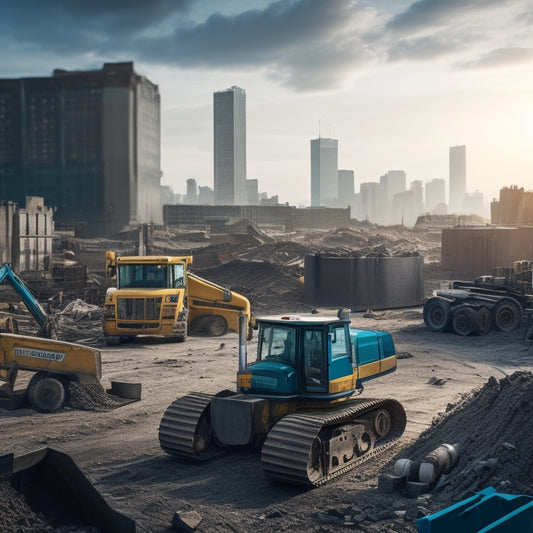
[(301, 357)]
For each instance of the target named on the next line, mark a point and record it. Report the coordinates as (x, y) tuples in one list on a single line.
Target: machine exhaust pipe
[(243, 329)]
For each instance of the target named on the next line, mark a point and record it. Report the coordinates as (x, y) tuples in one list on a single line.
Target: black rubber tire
[(483, 321), (464, 320), (506, 314), (437, 314), (46, 394), (112, 340), (216, 326)]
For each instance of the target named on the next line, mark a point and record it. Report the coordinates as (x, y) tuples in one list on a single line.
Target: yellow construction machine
[(54, 364), (158, 295), (296, 402)]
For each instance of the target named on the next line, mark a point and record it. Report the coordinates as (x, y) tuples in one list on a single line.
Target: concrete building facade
[(457, 182), (229, 130), (324, 172), (26, 234), (88, 142)]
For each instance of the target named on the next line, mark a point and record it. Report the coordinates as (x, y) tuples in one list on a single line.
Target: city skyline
[(396, 82)]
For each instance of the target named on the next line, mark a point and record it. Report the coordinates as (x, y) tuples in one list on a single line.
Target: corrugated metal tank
[(363, 283)]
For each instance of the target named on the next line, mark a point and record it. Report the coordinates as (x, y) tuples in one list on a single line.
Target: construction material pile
[(79, 322), (16, 514), (492, 430)]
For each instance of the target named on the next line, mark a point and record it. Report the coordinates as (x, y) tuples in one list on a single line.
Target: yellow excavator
[(54, 364), (296, 402)]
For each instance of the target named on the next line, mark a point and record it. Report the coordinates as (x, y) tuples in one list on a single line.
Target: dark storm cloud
[(304, 41), (63, 25), (304, 44), (308, 44), (428, 13)]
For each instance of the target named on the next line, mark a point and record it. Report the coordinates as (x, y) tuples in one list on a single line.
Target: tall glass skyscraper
[(229, 128), (324, 172), (457, 182)]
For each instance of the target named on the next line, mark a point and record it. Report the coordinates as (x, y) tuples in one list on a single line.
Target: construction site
[(103, 428)]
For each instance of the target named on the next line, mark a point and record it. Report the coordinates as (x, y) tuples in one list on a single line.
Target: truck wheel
[(506, 314), (463, 320), (437, 314), (46, 394), (217, 326), (112, 340), (483, 321)]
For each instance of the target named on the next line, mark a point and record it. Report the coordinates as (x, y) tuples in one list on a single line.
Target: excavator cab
[(301, 357)]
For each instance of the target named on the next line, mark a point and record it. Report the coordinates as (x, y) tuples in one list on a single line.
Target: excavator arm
[(34, 307)]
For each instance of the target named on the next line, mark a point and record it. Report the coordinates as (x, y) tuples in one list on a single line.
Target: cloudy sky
[(396, 82)]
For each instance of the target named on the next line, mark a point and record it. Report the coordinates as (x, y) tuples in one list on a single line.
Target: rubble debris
[(492, 427), (186, 521)]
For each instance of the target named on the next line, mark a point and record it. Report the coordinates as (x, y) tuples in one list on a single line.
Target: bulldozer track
[(179, 430), (287, 449)]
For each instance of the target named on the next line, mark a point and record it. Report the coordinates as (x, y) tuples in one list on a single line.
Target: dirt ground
[(118, 449)]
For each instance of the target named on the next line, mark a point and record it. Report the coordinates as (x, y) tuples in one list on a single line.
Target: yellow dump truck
[(55, 363), (158, 295)]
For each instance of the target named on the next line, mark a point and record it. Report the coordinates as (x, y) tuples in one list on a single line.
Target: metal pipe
[(243, 328)]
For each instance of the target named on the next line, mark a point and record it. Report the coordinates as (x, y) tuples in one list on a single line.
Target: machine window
[(278, 343), (339, 343), (179, 276), (314, 359)]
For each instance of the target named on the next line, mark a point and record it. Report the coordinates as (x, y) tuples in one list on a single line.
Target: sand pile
[(493, 430)]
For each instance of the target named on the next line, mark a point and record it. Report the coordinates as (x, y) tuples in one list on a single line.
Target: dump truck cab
[(317, 357), (157, 295)]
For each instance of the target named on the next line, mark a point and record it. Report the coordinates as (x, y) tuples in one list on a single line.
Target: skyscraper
[(229, 128), (457, 182), (435, 195), (88, 142), (324, 171)]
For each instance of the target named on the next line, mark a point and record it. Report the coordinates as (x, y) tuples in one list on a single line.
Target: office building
[(435, 196), (88, 142), (229, 129), (324, 172), (457, 181)]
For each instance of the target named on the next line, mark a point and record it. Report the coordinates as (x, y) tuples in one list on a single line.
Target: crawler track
[(299, 448), (185, 429)]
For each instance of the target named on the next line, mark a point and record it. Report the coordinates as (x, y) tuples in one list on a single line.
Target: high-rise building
[(324, 172), (346, 186), (392, 183), (435, 195), (192, 191), (229, 125), (252, 191), (457, 181), (88, 142)]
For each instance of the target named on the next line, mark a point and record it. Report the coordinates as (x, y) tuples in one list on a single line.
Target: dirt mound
[(266, 285), (492, 428), (89, 397), (16, 515)]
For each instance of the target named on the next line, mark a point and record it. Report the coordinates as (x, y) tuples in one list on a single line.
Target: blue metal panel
[(486, 512)]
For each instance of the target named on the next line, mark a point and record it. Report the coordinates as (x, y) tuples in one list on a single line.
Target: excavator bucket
[(53, 485)]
